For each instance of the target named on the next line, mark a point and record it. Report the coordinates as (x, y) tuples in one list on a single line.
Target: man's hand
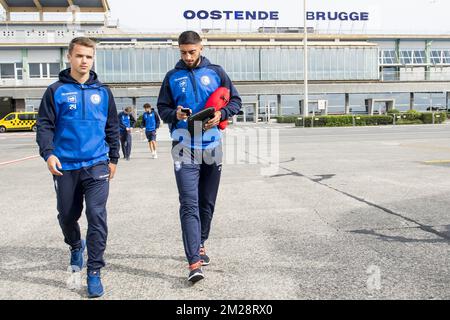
[(112, 170), (53, 165), (214, 121), (180, 114)]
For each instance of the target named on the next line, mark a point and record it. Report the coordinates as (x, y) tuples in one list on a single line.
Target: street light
[(305, 63)]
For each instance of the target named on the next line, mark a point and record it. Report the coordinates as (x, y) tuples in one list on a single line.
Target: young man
[(126, 122), (150, 121), (78, 137), (185, 90)]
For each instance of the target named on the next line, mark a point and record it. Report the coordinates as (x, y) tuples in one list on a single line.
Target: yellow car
[(19, 121)]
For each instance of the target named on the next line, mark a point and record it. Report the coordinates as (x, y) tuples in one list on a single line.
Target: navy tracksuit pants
[(198, 185), (125, 140), (92, 184)]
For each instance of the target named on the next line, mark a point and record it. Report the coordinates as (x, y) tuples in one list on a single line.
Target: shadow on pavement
[(17, 264)]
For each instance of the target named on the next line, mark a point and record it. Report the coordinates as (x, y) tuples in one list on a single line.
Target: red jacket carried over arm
[(219, 99)]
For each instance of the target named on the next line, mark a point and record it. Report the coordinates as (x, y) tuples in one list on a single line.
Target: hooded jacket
[(191, 88), (78, 123), (150, 121), (126, 121)]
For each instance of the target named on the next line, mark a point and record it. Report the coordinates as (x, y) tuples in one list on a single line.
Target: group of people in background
[(150, 123)]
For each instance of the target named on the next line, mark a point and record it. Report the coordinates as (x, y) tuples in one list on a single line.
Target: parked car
[(19, 121)]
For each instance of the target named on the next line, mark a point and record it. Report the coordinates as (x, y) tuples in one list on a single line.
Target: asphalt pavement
[(321, 213)]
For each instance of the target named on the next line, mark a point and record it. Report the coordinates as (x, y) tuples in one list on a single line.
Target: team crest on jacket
[(95, 99), (205, 80), (183, 85)]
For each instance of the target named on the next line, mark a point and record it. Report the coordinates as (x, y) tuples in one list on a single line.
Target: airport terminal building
[(353, 73)]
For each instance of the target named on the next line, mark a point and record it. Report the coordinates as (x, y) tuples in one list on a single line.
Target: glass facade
[(388, 57), (429, 101), (122, 103), (32, 105), (150, 64), (414, 57), (143, 100), (129, 64), (440, 56)]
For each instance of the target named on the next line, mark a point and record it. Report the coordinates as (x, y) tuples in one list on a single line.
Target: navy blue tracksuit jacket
[(191, 88), (150, 121), (126, 121), (78, 124), (197, 183)]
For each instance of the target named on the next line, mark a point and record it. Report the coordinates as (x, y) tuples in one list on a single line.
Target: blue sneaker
[(76, 257), (94, 284)]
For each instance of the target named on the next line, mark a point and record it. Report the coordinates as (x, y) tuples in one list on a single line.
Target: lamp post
[(305, 63)]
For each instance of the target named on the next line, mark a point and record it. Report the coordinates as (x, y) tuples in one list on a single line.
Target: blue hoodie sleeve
[(121, 124), (46, 124), (158, 122), (234, 106), (112, 129), (143, 121), (166, 106)]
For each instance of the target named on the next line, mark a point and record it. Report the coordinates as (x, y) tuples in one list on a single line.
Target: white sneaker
[(155, 156)]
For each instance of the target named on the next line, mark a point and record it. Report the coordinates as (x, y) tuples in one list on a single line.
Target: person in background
[(126, 122), (150, 121)]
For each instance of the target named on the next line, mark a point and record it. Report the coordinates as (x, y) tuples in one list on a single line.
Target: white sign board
[(345, 16), (322, 104), (350, 16)]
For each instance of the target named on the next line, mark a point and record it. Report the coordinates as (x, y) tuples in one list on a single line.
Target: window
[(435, 57), (388, 57), (446, 57), (35, 70), (11, 71), (32, 104), (390, 74), (10, 117), (406, 57), (7, 71), (54, 70), (44, 70), (31, 116), (19, 71), (419, 57)]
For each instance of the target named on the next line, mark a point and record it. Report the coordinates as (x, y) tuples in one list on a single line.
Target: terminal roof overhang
[(95, 6)]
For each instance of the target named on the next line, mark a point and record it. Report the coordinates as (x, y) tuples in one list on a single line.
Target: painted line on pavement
[(436, 161), (18, 160)]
